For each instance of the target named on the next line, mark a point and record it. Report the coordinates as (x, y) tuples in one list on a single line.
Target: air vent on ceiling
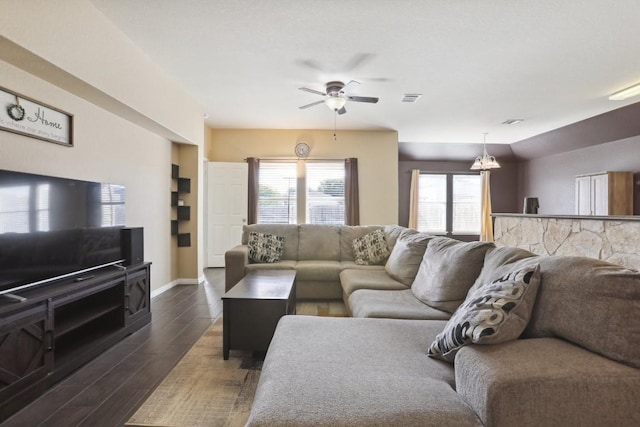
[(411, 97), (512, 121)]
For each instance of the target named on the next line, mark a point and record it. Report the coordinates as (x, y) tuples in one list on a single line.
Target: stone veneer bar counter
[(615, 239)]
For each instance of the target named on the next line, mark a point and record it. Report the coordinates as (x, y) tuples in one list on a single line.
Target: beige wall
[(190, 259), (67, 54), (73, 45), (377, 153), (107, 149)]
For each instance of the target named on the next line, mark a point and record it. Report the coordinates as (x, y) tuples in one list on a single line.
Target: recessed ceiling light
[(411, 97), (512, 121), (626, 93)]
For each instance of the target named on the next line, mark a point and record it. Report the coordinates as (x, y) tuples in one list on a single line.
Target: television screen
[(53, 226)]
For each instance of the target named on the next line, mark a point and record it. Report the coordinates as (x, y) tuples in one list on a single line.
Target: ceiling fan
[(336, 96)]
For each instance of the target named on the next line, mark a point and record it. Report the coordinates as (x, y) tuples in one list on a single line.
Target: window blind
[(325, 192), (432, 203), (277, 193), (466, 204), (454, 210)]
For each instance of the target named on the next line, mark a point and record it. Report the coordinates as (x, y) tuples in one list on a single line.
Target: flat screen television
[(51, 228)]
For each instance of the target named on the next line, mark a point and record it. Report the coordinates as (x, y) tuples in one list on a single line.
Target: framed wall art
[(25, 116)]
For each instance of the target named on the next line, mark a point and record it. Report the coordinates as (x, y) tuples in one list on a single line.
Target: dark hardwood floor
[(109, 389)]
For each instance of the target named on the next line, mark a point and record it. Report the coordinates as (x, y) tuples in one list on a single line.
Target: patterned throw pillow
[(264, 247), (493, 313), (371, 248)]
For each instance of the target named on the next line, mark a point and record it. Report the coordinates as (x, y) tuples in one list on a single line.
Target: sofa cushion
[(319, 242), (405, 258), (282, 265), (398, 304), (500, 261), (351, 265), (393, 232), (348, 233), (325, 271), (591, 303), (352, 280), (288, 231), (447, 271), (342, 372), (370, 249), (546, 382), (265, 247), (494, 313)]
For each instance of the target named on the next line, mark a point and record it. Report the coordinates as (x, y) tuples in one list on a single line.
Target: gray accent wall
[(552, 178)]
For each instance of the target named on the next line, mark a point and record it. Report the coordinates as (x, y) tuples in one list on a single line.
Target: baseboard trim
[(190, 281), (165, 288), (175, 283)]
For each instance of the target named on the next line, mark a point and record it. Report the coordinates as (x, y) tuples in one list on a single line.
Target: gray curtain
[(254, 173), (351, 192)]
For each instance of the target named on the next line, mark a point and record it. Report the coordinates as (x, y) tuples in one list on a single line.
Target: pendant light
[(485, 161)]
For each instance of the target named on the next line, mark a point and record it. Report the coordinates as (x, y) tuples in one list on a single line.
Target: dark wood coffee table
[(252, 308)]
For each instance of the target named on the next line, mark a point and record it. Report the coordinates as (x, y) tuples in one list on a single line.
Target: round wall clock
[(302, 149)]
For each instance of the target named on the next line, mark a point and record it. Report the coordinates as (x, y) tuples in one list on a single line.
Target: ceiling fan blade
[(357, 60), (368, 99), (350, 86), (310, 63), (311, 105), (342, 110), (317, 92)]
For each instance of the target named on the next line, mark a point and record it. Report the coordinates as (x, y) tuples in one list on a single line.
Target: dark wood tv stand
[(63, 325)]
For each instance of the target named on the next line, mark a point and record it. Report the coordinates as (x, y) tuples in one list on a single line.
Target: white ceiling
[(476, 63)]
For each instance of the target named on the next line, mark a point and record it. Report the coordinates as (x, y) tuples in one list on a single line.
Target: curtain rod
[(296, 158), (463, 172)]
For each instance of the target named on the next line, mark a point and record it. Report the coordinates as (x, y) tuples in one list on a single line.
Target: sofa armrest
[(546, 382), (236, 260)]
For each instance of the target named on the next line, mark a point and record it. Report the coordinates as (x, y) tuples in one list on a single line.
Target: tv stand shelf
[(63, 325), (84, 316)]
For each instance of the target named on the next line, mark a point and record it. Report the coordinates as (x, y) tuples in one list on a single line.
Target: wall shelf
[(182, 212), (184, 240)]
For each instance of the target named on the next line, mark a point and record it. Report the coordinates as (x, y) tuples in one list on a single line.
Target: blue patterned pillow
[(371, 248), (265, 247), (492, 313)]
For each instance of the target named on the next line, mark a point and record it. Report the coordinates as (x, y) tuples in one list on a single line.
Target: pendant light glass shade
[(485, 161)]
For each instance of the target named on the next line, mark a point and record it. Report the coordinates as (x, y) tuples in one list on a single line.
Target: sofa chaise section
[(356, 372), (547, 382)]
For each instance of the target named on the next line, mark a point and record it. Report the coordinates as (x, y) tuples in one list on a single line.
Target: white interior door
[(583, 195), (226, 208), (600, 194)]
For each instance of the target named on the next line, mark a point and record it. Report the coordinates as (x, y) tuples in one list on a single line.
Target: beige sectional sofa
[(569, 355), (318, 253)]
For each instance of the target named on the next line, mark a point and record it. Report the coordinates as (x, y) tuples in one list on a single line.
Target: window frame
[(301, 205), (449, 204)]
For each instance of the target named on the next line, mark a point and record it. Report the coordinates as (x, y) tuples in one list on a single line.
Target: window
[(305, 192), (325, 193), (449, 204), (277, 193)]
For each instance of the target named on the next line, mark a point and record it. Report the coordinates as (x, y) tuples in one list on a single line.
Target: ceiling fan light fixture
[(626, 93), (335, 102)]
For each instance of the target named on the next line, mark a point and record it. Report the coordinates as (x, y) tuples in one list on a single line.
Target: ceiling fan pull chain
[(335, 125)]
